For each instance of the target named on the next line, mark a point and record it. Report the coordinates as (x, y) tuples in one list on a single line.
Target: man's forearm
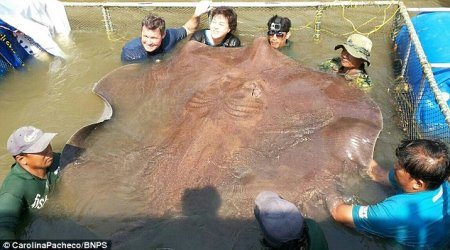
[(378, 173), (192, 24), (343, 213)]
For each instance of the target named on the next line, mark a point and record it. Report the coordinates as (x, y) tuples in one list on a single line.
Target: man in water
[(284, 227), (278, 32), (222, 25), (419, 215), (351, 63), (155, 40), (32, 177)]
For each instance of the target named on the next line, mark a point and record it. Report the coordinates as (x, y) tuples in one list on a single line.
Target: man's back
[(419, 219)]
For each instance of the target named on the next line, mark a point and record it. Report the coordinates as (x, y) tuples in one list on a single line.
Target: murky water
[(56, 96)]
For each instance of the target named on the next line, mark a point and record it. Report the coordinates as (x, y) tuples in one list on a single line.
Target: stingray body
[(239, 120)]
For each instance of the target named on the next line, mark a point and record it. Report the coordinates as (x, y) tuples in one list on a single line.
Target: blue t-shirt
[(413, 219), (134, 50)]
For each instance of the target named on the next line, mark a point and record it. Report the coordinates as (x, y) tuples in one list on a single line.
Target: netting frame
[(406, 106)]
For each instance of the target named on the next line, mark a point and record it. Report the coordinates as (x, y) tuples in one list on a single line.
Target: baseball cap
[(28, 139), (358, 46), (279, 219)]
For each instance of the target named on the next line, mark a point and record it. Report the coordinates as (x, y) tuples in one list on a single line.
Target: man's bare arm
[(340, 211), (192, 24)]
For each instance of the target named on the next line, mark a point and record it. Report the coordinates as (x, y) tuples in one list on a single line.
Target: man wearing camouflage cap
[(33, 175), (351, 64)]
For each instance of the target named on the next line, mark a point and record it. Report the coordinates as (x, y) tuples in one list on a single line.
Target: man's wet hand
[(202, 7), (333, 200)]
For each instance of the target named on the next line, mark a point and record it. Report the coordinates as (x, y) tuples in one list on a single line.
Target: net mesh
[(340, 20), (422, 105), (367, 19)]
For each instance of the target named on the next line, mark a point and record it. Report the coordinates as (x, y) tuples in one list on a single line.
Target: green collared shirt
[(359, 77), (23, 194), (317, 240)]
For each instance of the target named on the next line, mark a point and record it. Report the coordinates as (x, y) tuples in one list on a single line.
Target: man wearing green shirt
[(355, 55), (33, 175)]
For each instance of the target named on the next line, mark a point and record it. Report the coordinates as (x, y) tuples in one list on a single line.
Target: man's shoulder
[(232, 41), (133, 50), (176, 33), (133, 43), (173, 36), (331, 63), (199, 33), (199, 36), (15, 182), (398, 203), (178, 29)]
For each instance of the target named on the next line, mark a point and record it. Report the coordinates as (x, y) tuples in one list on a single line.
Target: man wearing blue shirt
[(418, 215), (155, 40)]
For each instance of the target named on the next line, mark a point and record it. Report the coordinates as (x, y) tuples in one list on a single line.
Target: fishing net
[(120, 21)]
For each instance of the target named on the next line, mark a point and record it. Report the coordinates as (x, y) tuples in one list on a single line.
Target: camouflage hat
[(358, 46)]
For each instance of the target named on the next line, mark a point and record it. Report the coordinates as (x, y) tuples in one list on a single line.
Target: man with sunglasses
[(32, 177), (155, 40), (418, 216), (278, 32)]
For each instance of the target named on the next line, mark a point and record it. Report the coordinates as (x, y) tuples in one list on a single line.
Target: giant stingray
[(200, 135)]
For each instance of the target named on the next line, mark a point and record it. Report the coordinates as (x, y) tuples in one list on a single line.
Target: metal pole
[(317, 22), (107, 19)]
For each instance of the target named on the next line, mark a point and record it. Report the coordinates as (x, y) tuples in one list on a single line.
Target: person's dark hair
[(152, 22), (229, 14), (426, 160), (284, 22)]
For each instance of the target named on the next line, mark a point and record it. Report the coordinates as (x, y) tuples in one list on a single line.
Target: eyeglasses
[(279, 34)]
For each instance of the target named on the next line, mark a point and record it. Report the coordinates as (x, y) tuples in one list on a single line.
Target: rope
[(377, 27)]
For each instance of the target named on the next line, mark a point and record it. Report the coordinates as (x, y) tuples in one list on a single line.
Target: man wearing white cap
[(33, 175), (283, 225), (351, 64)]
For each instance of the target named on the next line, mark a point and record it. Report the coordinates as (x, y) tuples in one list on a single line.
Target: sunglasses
[(279, 34)]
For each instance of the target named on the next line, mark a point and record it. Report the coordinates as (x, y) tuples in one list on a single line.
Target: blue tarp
[(12, 54)]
